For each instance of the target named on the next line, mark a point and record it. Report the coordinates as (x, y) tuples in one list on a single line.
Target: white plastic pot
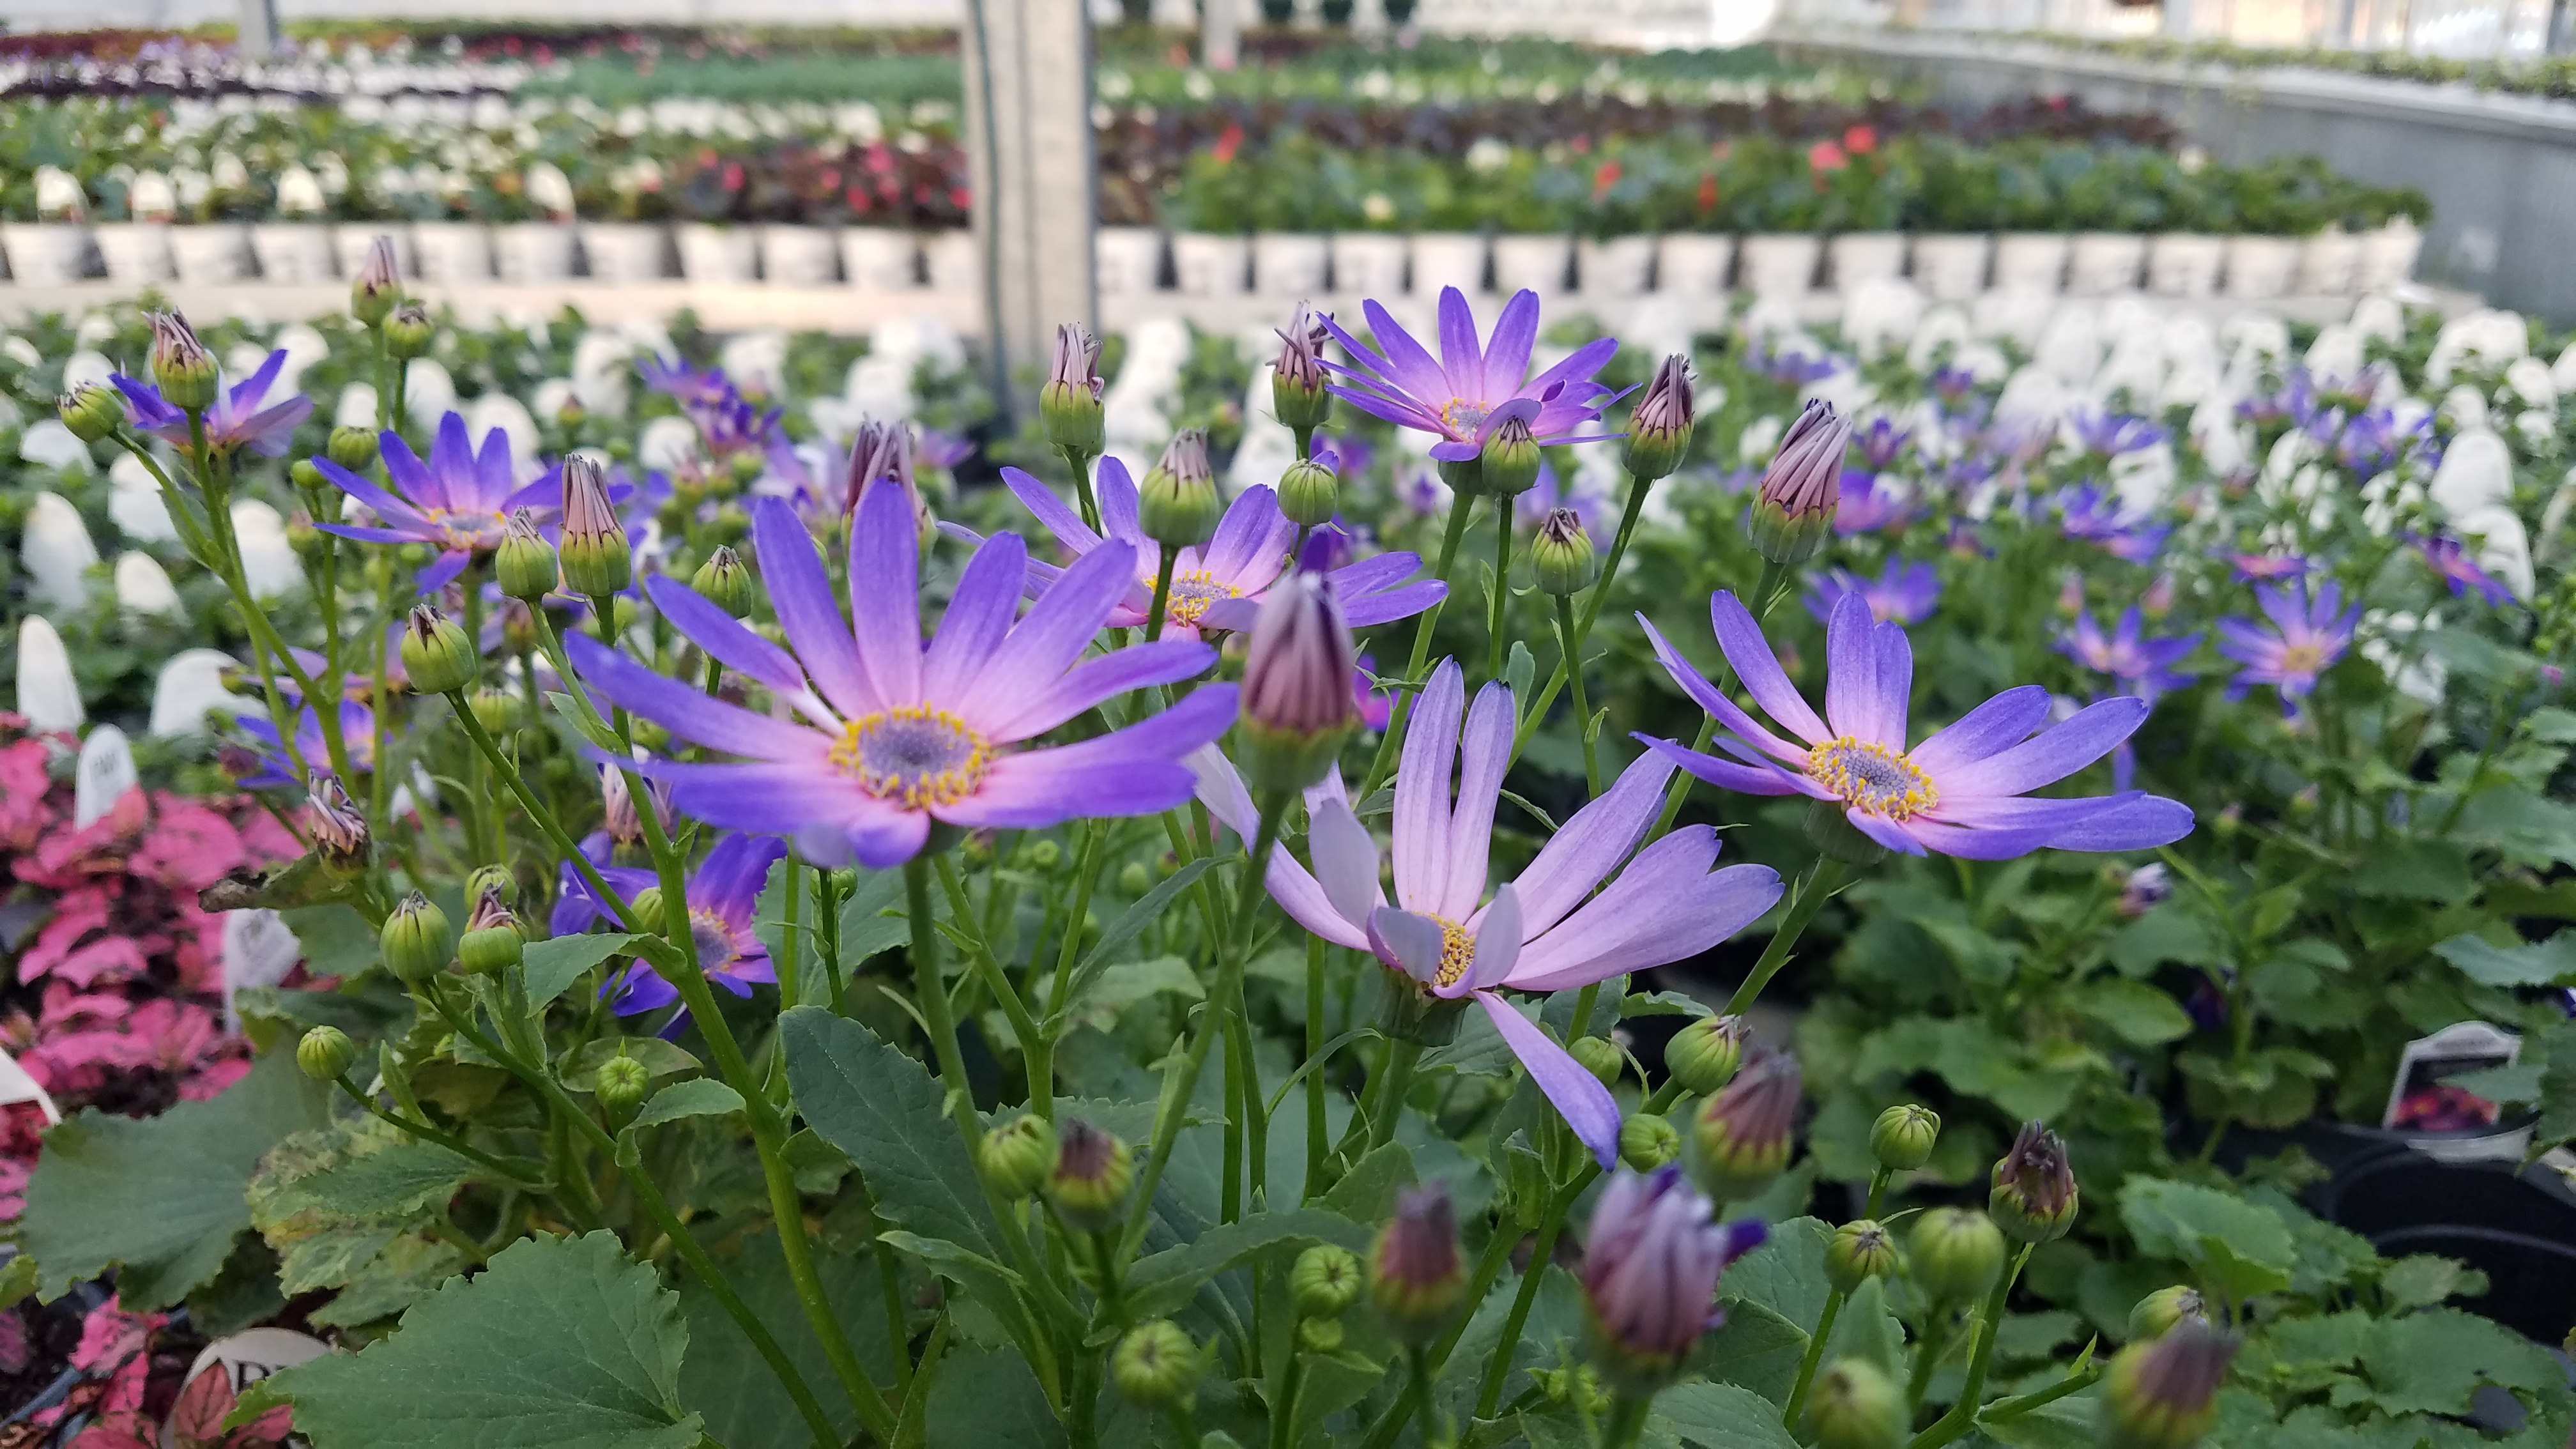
[(135, 251), (1368, 264), (1127, 260), (2259, 268), (1951, 266), (1209, 264), (1862, 257), (623, 253), (534, 252), (2388, 256), (2328, 263), (2105, 263), (45, 253), (1779, 264), (1448, 259), (453, 251), (723, 254), (2185, 264), (1532, 263), (1619, 269), (350, 244), (216, 254), (2030, 261), (880, 259), (292, 253), (953, 262), (1290, 266), (799, 256), (1693, 265)]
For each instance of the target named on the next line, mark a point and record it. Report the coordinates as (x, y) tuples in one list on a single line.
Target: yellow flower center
[(1463, 417), (1872, 777), (916, 755), (2303, 659), (1191, 595), (1457, 951), (467, 529)]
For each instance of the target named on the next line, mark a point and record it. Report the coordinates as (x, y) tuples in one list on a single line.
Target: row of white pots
[(1947, 266), (869, 258)]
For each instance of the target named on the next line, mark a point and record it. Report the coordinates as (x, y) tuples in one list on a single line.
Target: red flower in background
[(1826, 156), (1228, 142), (1860, 140)]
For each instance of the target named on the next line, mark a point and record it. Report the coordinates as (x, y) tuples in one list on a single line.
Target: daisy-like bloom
[(890, 736), (459, 502), (2094, 516), (2112, 434), (271, 767), (1904, 594), (728, 422), (1871, 504), (241, 416), (2372, 443), (2450, 561), (1461, 396), (2307, 635), (1962, 792), (1650, 1269), (1219, 584), (722, 892), (1881, 443), (2255, 568), (2142, 665), (1543, 931)]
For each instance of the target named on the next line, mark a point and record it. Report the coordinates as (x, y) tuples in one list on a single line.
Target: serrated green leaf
[(390, 1283), (1366, 1194), (580, 1066), (2136, 1012), (879, 1107), (2534, 964), (1132, 922), (1162, 1283), (337, 941), (1716, 1416), (557, 1344), (553, 966), (393, 1181), (1786, 1274), (2431, 1362), (2239, 1249), (1100, 999), (702, 1097), (1755, 1348)]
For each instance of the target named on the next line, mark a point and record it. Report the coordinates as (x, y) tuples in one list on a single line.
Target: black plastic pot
[(2518, 1228)]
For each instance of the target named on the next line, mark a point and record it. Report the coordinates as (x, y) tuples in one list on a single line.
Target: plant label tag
[(222, 1370), (105, 772), (259, 950), (17, 1086)]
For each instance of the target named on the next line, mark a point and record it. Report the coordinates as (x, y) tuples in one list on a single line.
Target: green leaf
[(2526, 965), (337, 941), (2507, 1084), (1132, 922), (1786, 1274), (1869, 1329), (553, 966), (2431, 1362), (2239, 1249), (725, 1378), (1101, 998), (162, 1197), (394, 1181), (557, 1344), (702, 1097), (2174, 932), (2417, 870), (1162, 1283), (1366, 1194), (2073, 1422), (878, 1106), (580, 1066), (1715, 1416), (986, 1398), (1755, 1348), (2136, 1012)]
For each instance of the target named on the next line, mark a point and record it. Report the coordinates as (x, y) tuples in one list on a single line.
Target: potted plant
[(1697, 252), (1369, 249), (2392, 237), (714, 247), (1955, 211), (1450, 249), (1211, 211), (2034, 251), (41, 227), (878, 252), (1531, 203), (294, 246), (455, 244), (630, 245), (135, 209), (2096, 192), (796, 194), (2184, 259), (2275, 205), (1865, 195), (1776, 205), (535, 244), (1295, 210), (1614, 257)]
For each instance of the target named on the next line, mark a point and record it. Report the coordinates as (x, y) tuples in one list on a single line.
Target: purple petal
[(1034, 789), (1666, 906), (1422, 790), (1414, 940), (1741, 641), (1578, 1096), (1046, 641), (723, 636), (1728, 775), (1050, 510), (885, 593), (1507, 354), (1389, 605), (1297, 893), (2050, 756), (1462, 361), (1410, 368), (1576, 369), (980, 611), (1345, 859), (2135, 824), (1253, 532), (1593, 843), (884, 841), (690, 714), (1498, 944), (1852, 697), (802, 594), (442, 570), (1168, 661), (1487, 751), (385, 505), (1709, 698), (1116, 494), (1905, 838), (765, 799), (1999, 723)]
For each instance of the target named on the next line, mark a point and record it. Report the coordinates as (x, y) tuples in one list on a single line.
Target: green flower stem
[(1450, 535), (1395, 1079), (1502, 587), (1814, 1355), (1498, 1367), (1963, 1414), (791, 967), (2074, 1383), (1928, 1353), (1080, 461), (1823, 879), (1570, 642), (1567, 667), (1086, 874), (1113, 1298), (1283, 1415), (827, 939), (1627, 1421), (1317, 1145), (452, 1143), (1162, 591), (1024, 1028)]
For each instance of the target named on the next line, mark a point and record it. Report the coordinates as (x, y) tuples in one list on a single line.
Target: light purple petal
[(386, 506), (1168, 661), (1033, 789), (1708, 697), (980, 611), (1051, 511), (1905, 838), (1852, 697), (772, 799), (723, 636), (1422, 790), (442, 570), (1116, 494), (1998, 724), (1410, 369), (1462, 361), (1592, 843), (688, 713), (1728, 775), (2137, 824), (1507, 354), (1741, 641), (1252, 532), (1346, 860), (885, 593), (1498, 944), (1046, 641), (884, 840), (1666, 906), (1578, 1096), (1414, 941), (1487, 751), (1575, 372), (802, 594), (2050, 756), (1389, 605)]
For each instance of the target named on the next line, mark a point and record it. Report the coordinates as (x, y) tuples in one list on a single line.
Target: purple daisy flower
[(1871, 504), (2142, 665), (1904, 594), (1543, 931), (1962, 792), (577, 906), (893, 736), (2372, 443), (941, 452), (817, 491), (1376, 706), (277, 769), (2450, 562), (722, 892), (727, 421), (1464, 394), (2306, 636), (458, 502), (1218, 585), (237, 418), (2255, 568), (1881, 443), (2111, 434), (2093, 516), (1349, 455)]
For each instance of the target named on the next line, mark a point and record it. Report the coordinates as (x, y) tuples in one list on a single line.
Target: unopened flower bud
[(724, 582), (1703, 1056), (1069, 404), (495, 708), (489, 878), (436, 656), (2158, 1312), (307, 478), (620, 1089), (1297, 395), (493, 938), (91, 411), (1319, 1335), (1854, 1406), (1296, 700), (301, 536), (1093, 1171), (647, 906), (326, 1053), (882, 452), (1650, 1267), (1659, 430), (1600, 1056), (597, 559), (1802, 487), (1158, 1365), (1954, 1254), (2163, 1393), (1902, 1138), (1858, 1251), (1309, 493), (1325, 1281), (352, 448), (1415, 1275), (1017, 1155), (408, 331), (1134, 879), (335, 826), (525, 563), (415, 941), (1563, 560), (1743, 1131), (373, 292), (1511, 459), (617, 806), (1176, 505), (1046, 855), (2033, 1195), (1647, 1141), (182, 367)]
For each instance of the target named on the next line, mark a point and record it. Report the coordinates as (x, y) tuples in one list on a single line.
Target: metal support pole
[(1029, 144)]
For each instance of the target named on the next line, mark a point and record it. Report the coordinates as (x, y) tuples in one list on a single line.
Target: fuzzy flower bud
[(1954, 1254), (597, 559), (1017, 1155), (1802, 487), (181, 365), (620, 1089), (1650, 1269), (408, 331), (1743, 1131), (1647, 1141), (489, 878), (1600, 1056), (1093, 1171), (1703, 1056), (724, 582), (1854, 1406), (1158, 1365), (436, 655), (1297, 707), (525, 563), (352, 448), (1859, 1251), (1511, 458), (91, 411), (1902, 1138), (493, 937), (1069, 404), (2033, 1195), (1309, 493), (1319, 1335), (1177, 505), (647, 906), (415, 941), (1659, 430), (1325, 1281), (1563, 560), (373, 292), (617, 806), (881, 452), (2163, 1394), (2158, 1312), (1297, 394), (338, 831), (326, 1053), (1415, 1275)]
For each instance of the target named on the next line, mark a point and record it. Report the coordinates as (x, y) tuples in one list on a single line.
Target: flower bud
[(2163, 1393), (1133, 878), (1017, 1155), (1600, 1056), (1319, 1335), (1297, 394), (1703, 1056), (182, 367), (1802, 487), (1743, 1131), (2033, 1196), (415, 941), (489, 878), (91, 411), (337, 830), (1093, 1171), (620, 1089), (1296, 700), (1562, 560), (597, 559), (525, 563), (1158, 1365), (495, 708), (2158, 1312), (1902, 1138), (1069, 404), (1954, 1254), (352, 448), (307, 478), (408, 331), (1511, 458), (493, 937), (1415, 1275), (326, 1053), (1309, 493), (1659, 430), (724, 582), (1647, 1141), (1325, 1281), (1854, 1406), (373, 292), (1650, 1267), (882, 452), (1177, 505), (436, 655), (1858, 1251)]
